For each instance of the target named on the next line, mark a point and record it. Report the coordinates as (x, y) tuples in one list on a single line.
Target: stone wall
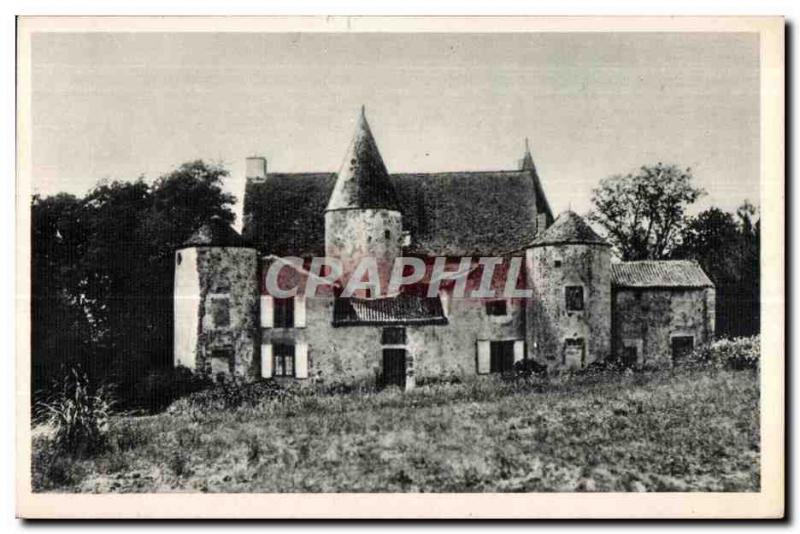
[(357, 233), (186, 308), (353, 354), (228, 275), (648, 318), (549, 327)]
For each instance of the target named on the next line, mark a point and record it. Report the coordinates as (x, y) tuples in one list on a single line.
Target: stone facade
[(216, 310), (564, 335), (582, 307), (648, 320)]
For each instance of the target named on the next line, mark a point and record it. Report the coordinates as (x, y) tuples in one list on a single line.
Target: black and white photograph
[(400, 258)]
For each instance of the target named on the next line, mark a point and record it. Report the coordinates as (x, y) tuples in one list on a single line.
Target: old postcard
[(400, 267)]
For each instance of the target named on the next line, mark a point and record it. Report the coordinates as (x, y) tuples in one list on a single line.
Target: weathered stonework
[(648, 318), (209, 282), (551, 269), (364, 212)]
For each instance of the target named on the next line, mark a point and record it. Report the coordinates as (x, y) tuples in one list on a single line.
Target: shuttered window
[(284, 313), (283, 360)]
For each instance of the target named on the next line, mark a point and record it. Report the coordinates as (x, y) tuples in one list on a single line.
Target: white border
[(768, 503)]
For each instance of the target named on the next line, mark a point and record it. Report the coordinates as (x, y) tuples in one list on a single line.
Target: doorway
[(394, 367)]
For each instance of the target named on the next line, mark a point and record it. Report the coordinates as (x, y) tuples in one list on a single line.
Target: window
[(393, 336), (496, 307), (221, 363), (221, 311), (501, 354), (682, 346), (180, 258), (283, 360), (574, 298), (387, 234), (557, 262), (284, 313)]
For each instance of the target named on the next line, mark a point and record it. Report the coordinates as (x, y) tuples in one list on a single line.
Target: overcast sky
[(122, 105)]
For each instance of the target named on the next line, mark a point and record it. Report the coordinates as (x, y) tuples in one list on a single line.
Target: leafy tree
[(102, 271), (727, 246), (644, 213)]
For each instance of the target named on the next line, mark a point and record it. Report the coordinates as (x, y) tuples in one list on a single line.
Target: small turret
[(216, 303), (570, 270)]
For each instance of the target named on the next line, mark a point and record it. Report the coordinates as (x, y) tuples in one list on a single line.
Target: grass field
[(669, 430)]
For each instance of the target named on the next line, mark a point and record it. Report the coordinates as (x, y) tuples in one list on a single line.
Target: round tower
[(363, 219), (216, 303), (570, 272)]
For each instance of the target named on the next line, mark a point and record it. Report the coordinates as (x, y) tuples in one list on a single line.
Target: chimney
[(256, 169)]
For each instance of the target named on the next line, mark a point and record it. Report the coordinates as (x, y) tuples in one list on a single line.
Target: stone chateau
[(584, 307)]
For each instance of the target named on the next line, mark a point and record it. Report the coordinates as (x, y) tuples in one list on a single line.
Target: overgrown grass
[(683, 429)]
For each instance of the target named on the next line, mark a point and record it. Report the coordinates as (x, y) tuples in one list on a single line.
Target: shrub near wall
[(737, 353)]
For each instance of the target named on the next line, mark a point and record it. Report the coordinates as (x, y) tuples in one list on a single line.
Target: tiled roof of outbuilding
[(448, 214), (654, 274), (569, 227), (401, 310)]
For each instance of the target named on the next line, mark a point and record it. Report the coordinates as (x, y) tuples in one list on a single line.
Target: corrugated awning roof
[(665, 274), (400, 310)]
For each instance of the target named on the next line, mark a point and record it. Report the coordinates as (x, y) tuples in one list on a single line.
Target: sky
[(122, 105)]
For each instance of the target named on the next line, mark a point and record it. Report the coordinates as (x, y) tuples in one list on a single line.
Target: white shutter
[(484, 357), (300, 311), (267, 311), (266, 360), (301, 360), (519, 351)]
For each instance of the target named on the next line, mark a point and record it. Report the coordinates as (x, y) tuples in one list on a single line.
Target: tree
[(103, 273), (644, 213), (727, 246)]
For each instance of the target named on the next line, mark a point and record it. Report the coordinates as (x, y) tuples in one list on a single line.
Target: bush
[(51, 469), (158, 389), (233, 393), (78, 414), (738, 353), (526, 368)]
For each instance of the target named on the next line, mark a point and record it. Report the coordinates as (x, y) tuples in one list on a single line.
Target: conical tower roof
[(569, 228), (363, 181), (215, 233)]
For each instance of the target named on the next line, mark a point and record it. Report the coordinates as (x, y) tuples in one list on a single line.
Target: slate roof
[(363, 181), (215, 233), (570, 228), (448, 214), (404, 309), (659, 274)]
